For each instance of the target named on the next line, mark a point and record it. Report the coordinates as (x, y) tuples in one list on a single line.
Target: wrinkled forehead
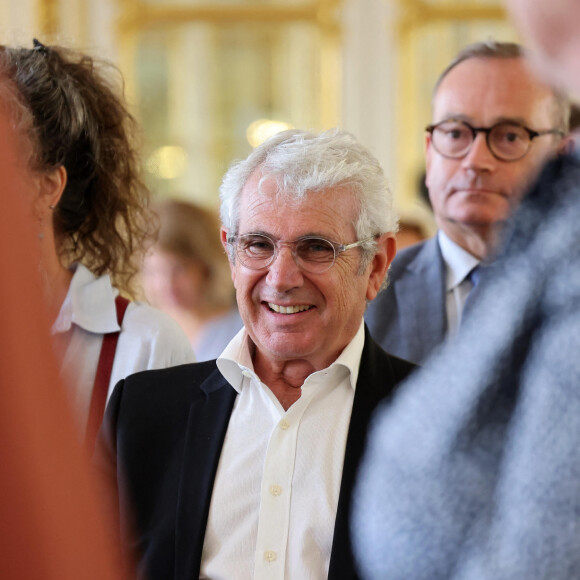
[(294, 188), (266, 205)]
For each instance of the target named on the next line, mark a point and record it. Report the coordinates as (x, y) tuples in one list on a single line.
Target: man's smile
[(289, 309)]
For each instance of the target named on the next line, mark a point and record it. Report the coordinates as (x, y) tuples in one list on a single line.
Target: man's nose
[(479, 157), (284, 273)]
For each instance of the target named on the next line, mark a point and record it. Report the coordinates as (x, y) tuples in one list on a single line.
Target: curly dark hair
[(81, 122)]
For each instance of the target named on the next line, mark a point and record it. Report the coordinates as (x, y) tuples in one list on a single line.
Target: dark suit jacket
[(408, 319), (163, 434)]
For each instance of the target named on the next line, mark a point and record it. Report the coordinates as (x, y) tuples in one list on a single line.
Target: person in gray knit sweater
[(473, 471)]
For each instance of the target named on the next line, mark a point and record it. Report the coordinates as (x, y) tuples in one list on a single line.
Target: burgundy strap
[(103, 376)]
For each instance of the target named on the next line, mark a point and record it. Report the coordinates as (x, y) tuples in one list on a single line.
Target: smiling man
[(494, 126), (243, 467)]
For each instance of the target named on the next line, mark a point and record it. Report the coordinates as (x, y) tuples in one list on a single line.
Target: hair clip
[(39, 47)]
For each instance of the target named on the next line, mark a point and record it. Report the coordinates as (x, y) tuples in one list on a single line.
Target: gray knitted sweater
[(473, 472)]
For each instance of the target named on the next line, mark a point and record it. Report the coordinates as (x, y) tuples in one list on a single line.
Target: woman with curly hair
[(90, 207)]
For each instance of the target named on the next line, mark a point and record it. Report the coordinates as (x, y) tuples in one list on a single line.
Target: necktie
[(474, 277)]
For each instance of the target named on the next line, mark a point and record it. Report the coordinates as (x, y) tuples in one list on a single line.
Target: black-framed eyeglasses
[(311, 253), (507, 141)]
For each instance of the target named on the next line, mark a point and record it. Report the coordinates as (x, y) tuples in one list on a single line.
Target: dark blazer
[(162, 439), (408, 318)]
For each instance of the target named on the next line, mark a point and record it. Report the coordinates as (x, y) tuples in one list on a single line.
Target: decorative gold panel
[(215, 3), (205, 77), (48, 18)]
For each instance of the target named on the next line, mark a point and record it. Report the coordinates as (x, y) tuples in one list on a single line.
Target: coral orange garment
[(51, 524)]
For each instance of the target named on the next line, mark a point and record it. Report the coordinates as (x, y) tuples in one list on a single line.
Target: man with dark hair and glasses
[(243, 467), (494, 126)]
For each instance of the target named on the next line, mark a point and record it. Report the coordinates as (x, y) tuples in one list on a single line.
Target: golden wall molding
[(139, 19), (139, 14), (418, 12), (48, 18)]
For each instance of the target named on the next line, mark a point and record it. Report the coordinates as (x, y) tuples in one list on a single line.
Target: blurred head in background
[(186, 273), (552, 29)]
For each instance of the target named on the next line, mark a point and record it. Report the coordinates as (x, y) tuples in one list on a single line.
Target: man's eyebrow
[(256, 233), (276, 238), (455, 117), (495, 121), (516, 120)]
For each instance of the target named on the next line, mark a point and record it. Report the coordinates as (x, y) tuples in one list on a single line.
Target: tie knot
[(474, 275)]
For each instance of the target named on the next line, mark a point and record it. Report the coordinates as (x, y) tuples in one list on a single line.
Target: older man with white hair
[(242, 468)]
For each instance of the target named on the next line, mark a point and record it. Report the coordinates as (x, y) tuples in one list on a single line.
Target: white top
[(276, 491), (149, 339), (459, 264)]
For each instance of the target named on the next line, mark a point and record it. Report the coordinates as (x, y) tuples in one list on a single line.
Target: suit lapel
[(206, 430), (421, 299), (376, 381)]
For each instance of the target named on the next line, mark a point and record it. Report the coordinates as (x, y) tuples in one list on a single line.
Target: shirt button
[(270, 556), (284, 424), (247, 374), (275, 490)]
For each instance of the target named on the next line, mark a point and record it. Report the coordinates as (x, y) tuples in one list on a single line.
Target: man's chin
[(483, 214)]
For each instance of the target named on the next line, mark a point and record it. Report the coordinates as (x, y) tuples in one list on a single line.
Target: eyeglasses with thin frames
[(311, 253), (507, 140)]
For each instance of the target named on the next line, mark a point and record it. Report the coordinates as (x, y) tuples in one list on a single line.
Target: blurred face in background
[(552, 29), (173, 282)]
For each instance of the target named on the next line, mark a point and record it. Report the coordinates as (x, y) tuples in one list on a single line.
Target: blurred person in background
[(90, 210), (473, 472), (494, 125), (186, 274)]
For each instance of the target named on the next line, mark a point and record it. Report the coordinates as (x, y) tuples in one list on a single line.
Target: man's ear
[(386, 250), (228, 248), (428, 156), (428, 146)]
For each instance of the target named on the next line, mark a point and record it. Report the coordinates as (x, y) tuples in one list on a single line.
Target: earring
[(51, 206)]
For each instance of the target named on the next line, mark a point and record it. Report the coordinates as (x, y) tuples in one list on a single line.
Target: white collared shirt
[(149, 338), (459, 264), (276, 491)]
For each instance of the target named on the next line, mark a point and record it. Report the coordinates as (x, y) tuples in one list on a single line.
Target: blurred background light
[(262, 129), (167, 162)]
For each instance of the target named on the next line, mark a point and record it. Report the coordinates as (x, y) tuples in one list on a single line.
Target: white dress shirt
[(276, 491), (149, 338), (459, 264)]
